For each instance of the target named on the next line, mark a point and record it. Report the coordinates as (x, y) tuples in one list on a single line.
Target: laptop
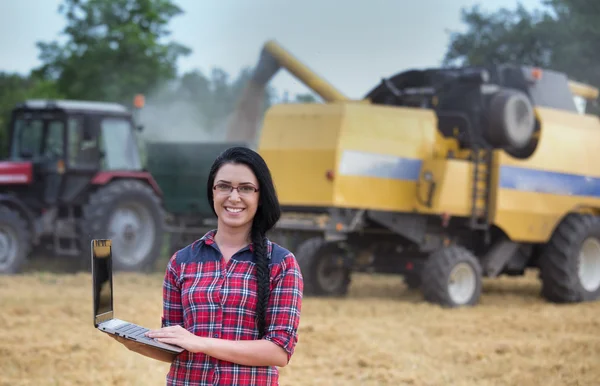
[(102, 284)]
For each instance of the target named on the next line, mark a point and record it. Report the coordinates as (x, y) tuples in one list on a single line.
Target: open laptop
[(104, 320)]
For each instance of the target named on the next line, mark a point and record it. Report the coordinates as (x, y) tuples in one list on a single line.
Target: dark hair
[(267, 215)]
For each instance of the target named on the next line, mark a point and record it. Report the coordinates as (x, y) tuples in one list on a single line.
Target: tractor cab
[(73, 174), (60, 145)]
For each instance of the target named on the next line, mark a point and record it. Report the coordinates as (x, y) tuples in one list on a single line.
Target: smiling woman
[(235, 205), (232, 299)]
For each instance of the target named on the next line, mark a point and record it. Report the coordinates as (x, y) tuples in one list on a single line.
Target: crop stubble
[(381, 334)]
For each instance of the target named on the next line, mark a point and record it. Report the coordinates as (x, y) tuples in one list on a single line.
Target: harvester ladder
[(482, 162)]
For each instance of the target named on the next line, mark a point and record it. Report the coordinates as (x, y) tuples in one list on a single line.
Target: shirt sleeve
[(285, 304), (172, 308)]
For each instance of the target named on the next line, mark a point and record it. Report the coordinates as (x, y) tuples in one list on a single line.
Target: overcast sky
[(352, 43)]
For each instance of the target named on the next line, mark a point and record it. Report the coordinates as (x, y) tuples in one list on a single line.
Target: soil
[(381, 334)]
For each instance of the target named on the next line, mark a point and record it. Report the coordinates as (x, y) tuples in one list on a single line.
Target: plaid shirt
[(213, 299)]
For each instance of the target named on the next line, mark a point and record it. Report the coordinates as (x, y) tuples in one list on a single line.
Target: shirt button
[(216, 335)]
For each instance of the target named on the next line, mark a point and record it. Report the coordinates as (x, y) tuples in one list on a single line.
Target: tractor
[(443, 176), (73, 174)]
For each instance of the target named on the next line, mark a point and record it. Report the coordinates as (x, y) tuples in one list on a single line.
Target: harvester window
[(118, 144), (549, 89)]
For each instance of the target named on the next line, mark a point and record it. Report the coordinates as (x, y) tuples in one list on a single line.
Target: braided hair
[(267, 215)]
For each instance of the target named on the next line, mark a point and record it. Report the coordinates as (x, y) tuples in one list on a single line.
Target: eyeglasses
[(244, 190)]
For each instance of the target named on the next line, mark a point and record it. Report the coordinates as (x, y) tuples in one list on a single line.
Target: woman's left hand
[(177, 336)]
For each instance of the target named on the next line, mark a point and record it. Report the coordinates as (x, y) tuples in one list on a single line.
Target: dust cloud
[(168, 116), (243, 124)]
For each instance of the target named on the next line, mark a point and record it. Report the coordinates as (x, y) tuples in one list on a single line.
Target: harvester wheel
[(512, 119), (452, 277), (15, 241), (323, 267), (129, 213), (570, 264)]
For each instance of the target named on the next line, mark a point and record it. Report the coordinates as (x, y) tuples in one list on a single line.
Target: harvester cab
[(443, 176), (69, 164)]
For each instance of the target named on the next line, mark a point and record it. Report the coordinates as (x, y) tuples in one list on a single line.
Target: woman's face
[(236, 208)]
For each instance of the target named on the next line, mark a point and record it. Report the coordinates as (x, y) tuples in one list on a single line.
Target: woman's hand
[(145, 350), (260, 352), (177, 336)]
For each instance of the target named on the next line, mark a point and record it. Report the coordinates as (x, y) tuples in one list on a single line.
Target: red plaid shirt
[(213, 299)]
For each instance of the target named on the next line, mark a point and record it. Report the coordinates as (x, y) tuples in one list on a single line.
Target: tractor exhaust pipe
[(245, 120)]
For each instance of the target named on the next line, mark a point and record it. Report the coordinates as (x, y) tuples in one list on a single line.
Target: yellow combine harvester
[(443, 176)]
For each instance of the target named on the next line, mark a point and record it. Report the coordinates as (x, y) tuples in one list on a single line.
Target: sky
[(350, 43)]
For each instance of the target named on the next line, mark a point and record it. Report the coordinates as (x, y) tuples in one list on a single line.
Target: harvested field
[(382, 334)]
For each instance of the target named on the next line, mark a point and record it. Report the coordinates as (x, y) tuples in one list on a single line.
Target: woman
[(232, 299)]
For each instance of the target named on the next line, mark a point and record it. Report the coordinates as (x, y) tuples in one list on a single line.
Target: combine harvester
[(444, 176)]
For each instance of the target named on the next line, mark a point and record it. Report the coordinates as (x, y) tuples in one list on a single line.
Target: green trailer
[(181, 170)]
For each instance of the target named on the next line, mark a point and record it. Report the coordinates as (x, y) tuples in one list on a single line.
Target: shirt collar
[(209, 239)]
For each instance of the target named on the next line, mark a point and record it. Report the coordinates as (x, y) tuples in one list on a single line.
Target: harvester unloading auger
[(443, 176), (244, 123)]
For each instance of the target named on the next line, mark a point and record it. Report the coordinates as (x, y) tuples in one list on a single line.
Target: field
[(382, 334)]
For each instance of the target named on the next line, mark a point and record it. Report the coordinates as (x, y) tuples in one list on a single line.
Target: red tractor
[(74, 173)]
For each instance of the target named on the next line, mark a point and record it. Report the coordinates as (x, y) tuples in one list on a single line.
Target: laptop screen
[(102, 278)]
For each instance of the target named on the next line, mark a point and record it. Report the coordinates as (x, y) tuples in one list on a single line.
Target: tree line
[(118, 48), (562, 35)]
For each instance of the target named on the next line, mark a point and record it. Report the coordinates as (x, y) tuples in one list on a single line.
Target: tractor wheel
[(129, 213), (452, 277), (15, 241), (323, 267), (570, 264), (512, 120)]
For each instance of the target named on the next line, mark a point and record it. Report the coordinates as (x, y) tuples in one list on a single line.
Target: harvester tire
[(314, 257), (446, 266), (15, 241), (570, 264), (123, 200), (511, 120)]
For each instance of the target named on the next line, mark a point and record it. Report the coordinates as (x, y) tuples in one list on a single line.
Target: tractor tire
[(15, 241), (511, 120), (570, 263), (314, 256), (130, 214), (446, 266)]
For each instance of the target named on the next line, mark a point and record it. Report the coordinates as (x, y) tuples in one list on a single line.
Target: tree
[(503, 36), (564, 35), (114, 49), (577, 39)]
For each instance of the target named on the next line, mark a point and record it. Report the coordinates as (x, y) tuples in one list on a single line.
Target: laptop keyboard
[(134, 331)]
